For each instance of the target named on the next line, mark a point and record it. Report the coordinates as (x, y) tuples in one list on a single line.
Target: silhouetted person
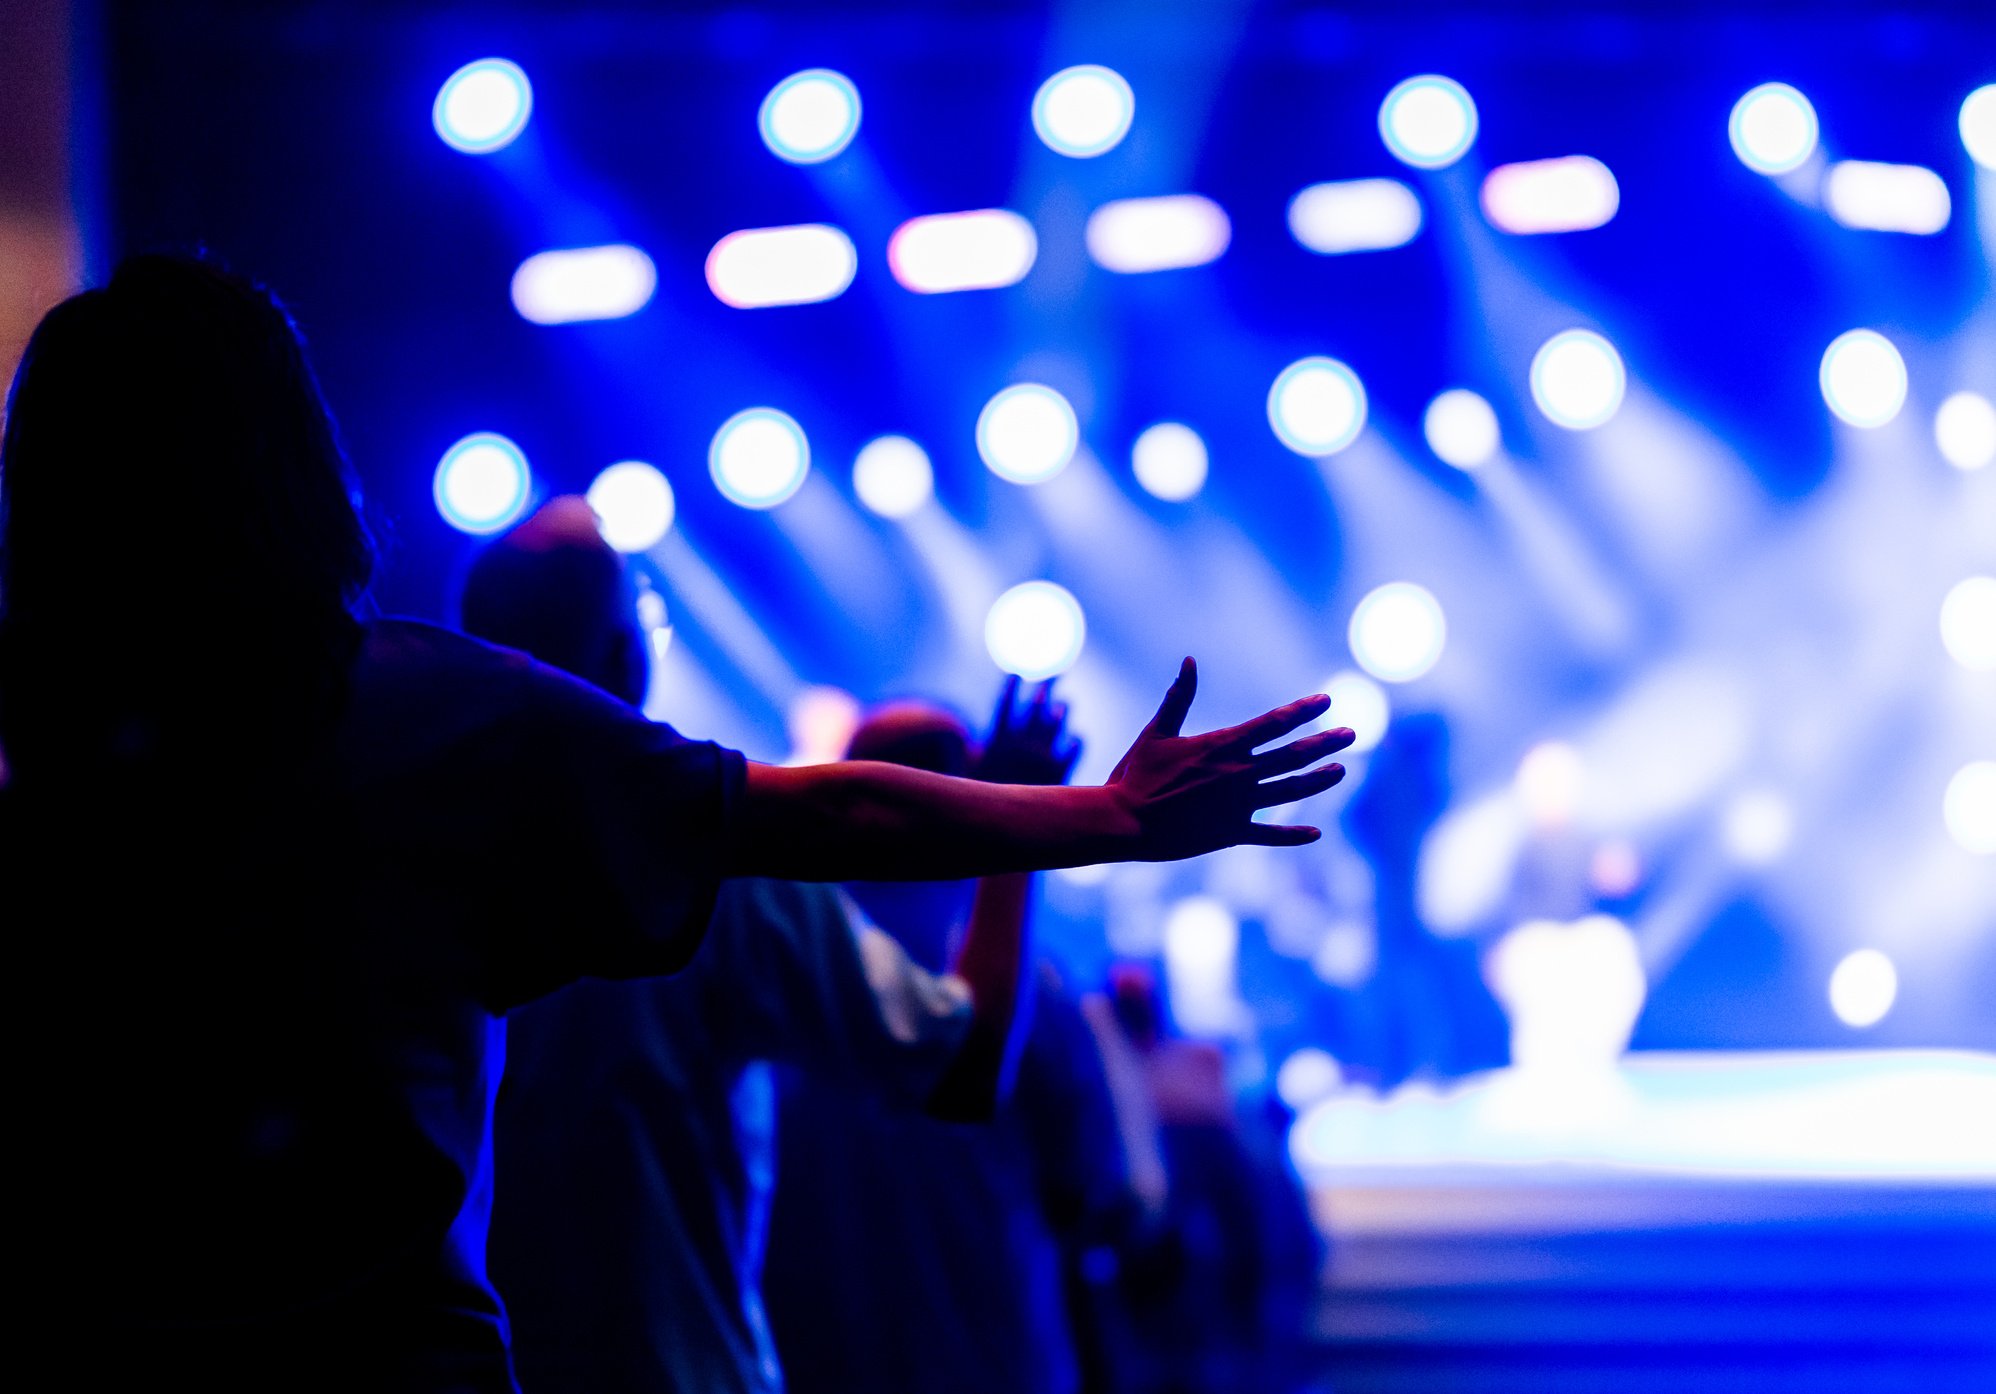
[(276, 875), (910, 1255), (1215, 1295), (1435, 1015), (633, 1145)]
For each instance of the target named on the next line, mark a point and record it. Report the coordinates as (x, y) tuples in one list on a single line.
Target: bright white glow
[(1355, 215), (1615, 869), (809, 116), (583, 283), (1862, 988), (1201, 952), (1578, 380), (1773, 129), (1757, 827), (1978, 125), (1317, 406), (1461, 429), (1084, 111), (1094, 875), (1347, 954), (821, 722), (1968, 623), (979, 250), (759, 457), (893, 477), (781, 266), (1863, 378), (1887, 198), (1158, 234), (634, 505), (482, 483), (1169, 460), (1573, 993), (1428, 122), (1965, 430), (1397, 632), (1569, 194), (1035, 630), (1969, 807), (1360, 703), (483, 106), (1027, 433), (1306, 1076), (1550, 782)]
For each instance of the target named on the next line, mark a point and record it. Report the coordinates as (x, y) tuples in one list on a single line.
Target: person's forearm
[(992, 963), (861, 820)]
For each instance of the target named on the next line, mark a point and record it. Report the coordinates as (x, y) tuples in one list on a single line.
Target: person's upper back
[(286, 989)]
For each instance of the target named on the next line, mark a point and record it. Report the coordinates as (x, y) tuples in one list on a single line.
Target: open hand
[(1194, 794), (1028, 743)]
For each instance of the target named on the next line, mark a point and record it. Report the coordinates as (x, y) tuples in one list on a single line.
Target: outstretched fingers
[(1280, 834), (1273, 725), (1299, 753), (1276, 792)]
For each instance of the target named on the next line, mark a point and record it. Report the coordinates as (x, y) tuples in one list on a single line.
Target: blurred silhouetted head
[(920, 735), (553, 588), (179, 540), (1133, 992)]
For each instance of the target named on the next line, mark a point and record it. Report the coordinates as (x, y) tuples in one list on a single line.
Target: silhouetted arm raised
[(1171, 796)]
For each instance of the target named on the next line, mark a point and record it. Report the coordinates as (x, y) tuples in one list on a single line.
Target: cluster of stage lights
[(1317, 406)]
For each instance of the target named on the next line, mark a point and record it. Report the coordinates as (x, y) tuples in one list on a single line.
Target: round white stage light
[(1428, 122), (1863, 987), (893, 477), (1969, 807), (1361, 704), (1035, 630), (1027, 433), (1578, 380), (1773, 129), (810, 116), (1757, 827), (483, 106), (1397, 632), (1084, 111), (1965, 430), (633, 504), (482, 484), (1968, 623), (1169, 460), (1306, 1076), (1863, 378), (1461, 429), (759, 457), (1317, 406), (1978, 125)]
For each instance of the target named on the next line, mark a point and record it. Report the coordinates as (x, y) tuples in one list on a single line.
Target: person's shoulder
[(406, 645)]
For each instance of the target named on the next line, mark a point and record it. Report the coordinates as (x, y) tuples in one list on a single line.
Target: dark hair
[(180, 543)]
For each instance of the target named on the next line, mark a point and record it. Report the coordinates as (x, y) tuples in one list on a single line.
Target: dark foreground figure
[(275, 875)]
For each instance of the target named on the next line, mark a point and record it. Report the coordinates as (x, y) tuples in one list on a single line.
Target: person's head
[(920, 735), (554, 589), (178, 525)]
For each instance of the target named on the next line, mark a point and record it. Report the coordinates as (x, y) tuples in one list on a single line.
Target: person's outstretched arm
[(1171, 796)]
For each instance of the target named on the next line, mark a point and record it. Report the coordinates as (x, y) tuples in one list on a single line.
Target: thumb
[(1170, 718)]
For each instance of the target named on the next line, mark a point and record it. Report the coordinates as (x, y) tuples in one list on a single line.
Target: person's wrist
[(1115, 827)]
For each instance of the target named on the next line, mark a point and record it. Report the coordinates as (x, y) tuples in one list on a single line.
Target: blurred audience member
[(1216, 1298), (633, 1147), (909, 1256)]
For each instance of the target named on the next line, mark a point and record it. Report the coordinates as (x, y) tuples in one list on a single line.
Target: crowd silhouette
[(285, 872)]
